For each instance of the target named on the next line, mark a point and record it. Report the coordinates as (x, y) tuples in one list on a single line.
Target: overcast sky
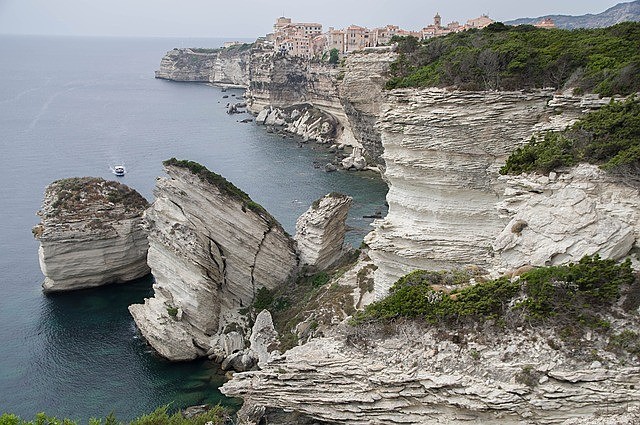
[(252, 18)]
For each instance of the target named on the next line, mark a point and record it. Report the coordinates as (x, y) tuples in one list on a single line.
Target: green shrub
[(263, 299), (609, 137), (172, 311), (574, 294), (603, 60), (413, 296), (626, 340), (161, 416)]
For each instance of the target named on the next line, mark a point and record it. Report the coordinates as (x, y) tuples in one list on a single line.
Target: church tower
[(437, 20)]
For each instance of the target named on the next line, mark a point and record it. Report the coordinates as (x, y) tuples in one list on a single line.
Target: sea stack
[(210, 249), (320, 231), (91, 234)]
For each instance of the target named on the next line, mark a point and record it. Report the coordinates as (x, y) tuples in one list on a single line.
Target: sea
[(74, 107)]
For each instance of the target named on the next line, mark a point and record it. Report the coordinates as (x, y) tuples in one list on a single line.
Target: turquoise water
[(72, 107)]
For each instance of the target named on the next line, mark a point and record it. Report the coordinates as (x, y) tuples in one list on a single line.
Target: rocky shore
[(91, 233)]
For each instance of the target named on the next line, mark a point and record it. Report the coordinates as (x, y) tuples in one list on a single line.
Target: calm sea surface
[(72, 107)]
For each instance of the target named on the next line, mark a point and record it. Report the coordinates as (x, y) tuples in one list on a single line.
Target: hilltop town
[(307, 39)]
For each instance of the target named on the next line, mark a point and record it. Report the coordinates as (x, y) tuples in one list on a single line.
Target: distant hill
[(619, 13)]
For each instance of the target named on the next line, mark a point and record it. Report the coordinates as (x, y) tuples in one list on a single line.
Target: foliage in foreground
[(603, 60), (609, 137), (160, 416), (574, 294)]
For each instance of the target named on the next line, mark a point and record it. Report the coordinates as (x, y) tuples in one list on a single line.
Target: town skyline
[(201, 18)]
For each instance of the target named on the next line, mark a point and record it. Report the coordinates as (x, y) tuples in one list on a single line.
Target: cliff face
[(361, 95), (562, 217), (320, 231), (210, 249), (221, 66), (91, 234), (422, 376), (443, 151), (351, 94)]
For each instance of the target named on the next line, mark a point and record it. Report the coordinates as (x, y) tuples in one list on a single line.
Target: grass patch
[(90, 198)]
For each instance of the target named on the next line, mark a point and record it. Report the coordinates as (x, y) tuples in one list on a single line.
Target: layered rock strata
[(278, 81), (560, 218), (432, 377), (217, 66), (91, 233), (350, 95), (320, 231), (443, 150), (361, 94), (211, 248)]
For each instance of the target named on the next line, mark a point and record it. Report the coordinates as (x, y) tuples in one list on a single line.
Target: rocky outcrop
[(228, 66), (304, 120), (210, 249), (560, 218), (443, 151), (361, 94), (283, 82), (352, 94), (434, 376), (320, 231), (187, 65), (91, 234)]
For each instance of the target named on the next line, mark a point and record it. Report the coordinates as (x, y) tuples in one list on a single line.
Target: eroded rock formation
[(91, 234), (560, 218), (211, 248), (320, 231), (218, 66), (361, 95), (443, 150), (422, 376), (304, 120)]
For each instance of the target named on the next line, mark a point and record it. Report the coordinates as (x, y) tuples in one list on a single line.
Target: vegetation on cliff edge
[(572, 297), (76, 197), (224, 186), (215, 416), (609, 137), (501, 57)]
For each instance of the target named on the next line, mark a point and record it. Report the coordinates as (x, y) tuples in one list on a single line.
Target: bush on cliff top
[(571, 295), (603, 60), (609, 137), (223, 185), (216, 415)]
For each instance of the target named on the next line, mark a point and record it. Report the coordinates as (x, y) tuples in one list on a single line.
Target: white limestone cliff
[(210, 249), (228, 67), (91, 233), (443, 150), (320, 231), (431, 376), (562, 217)]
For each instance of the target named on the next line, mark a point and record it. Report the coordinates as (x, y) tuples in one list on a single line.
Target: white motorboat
[(119, 170)]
